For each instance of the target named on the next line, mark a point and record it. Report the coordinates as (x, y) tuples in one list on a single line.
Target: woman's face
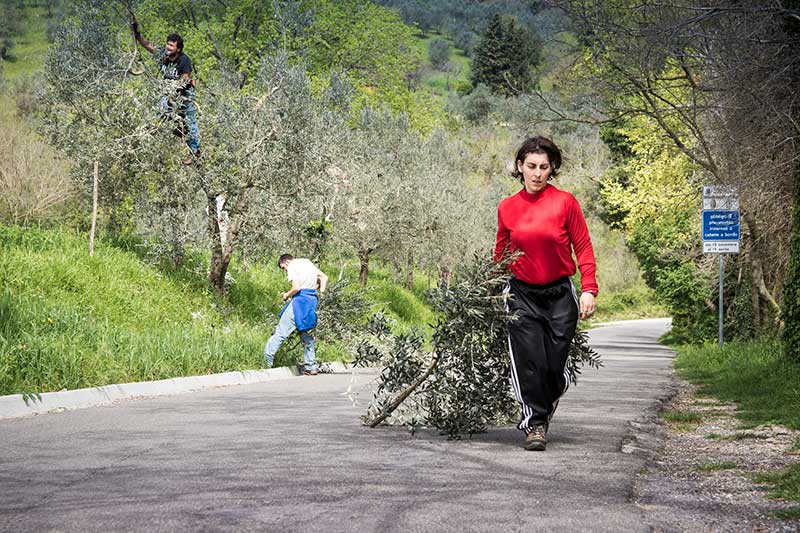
[(535, 171)]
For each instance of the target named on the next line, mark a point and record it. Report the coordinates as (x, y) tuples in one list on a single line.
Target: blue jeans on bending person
[(286, 327)]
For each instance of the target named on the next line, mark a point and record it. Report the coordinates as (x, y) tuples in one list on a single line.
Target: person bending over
[(300, 311)]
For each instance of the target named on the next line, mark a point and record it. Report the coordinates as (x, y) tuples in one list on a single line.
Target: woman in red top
[(546, 224)]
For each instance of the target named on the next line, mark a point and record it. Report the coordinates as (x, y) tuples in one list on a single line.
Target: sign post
[(720, 230)]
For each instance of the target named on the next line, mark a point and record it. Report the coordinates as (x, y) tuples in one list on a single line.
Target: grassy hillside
[(68, 320), (30, 48), (438, 81), (71, 321)]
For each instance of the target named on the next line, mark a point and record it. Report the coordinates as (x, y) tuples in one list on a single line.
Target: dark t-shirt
[(173, 71)]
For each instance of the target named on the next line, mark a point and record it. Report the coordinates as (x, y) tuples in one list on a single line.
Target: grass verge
[(765, 385), (684, 417), (755, 375), (785, 485), (71, 321), (713, 466)]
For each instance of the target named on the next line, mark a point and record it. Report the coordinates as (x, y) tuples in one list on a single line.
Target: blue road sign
[(721, 225)]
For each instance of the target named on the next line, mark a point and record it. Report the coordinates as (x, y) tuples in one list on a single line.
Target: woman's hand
[(588, 305)]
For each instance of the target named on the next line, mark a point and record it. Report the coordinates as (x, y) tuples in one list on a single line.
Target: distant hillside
[(454, 77), (30, 45), (464, 22)]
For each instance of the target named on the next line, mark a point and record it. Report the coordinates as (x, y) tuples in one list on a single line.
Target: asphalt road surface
[(292, 455)]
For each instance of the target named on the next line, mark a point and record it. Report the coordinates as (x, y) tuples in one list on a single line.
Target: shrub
[(439, 53), (34, 182)]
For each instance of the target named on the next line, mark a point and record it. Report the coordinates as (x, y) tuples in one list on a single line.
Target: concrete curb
[(18, 405)]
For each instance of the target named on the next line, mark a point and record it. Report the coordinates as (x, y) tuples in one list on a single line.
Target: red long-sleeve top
[(546, 226)]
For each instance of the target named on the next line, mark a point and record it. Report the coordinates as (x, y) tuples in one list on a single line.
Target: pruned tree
[(461, 386), (439, 51), (260, 144)]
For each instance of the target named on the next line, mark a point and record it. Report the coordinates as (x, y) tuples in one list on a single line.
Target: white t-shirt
[(303, 272)]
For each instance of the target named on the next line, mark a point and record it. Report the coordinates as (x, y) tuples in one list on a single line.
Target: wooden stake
[(94, 211)]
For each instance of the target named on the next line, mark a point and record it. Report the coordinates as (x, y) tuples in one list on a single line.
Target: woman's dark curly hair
[(538, 145)]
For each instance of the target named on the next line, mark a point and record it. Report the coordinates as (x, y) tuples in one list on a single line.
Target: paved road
[(291, 455)]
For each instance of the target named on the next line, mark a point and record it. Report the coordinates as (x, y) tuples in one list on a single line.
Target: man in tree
[(178, 96), (300, 311)]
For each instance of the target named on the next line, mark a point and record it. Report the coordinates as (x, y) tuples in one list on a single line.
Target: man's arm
[(323, 281), (141, 40), (291, 292)]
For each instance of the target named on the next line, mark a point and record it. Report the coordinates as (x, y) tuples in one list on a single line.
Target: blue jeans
[(188, 113), (285, 328)]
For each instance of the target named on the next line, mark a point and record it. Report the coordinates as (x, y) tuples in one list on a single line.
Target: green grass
[(713, 466), (764, 384), (755, 375), (681, 421), (793, 513), (28, 54), (785, 485), (70, 321), (628, 304), (436, 79), (682, 417), (745, 435)]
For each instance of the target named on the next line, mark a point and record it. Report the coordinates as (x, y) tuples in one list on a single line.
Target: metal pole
[(720, 299)]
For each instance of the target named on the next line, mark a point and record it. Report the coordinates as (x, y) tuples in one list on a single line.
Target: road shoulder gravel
[(700, 476)]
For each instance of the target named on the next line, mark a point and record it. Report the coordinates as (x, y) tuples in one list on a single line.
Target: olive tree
[(261, 144)]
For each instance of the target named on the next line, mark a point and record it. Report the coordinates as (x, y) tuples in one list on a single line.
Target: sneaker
[(536, 440), (310, 372)]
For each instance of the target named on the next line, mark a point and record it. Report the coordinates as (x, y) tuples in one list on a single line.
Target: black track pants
[(538, 342)]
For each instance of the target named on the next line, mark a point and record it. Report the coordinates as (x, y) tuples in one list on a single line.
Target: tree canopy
[(504, 57)]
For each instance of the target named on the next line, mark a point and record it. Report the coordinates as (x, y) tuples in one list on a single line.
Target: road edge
[(22, 405)]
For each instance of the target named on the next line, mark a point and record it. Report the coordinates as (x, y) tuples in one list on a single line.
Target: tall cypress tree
[(504, 56)]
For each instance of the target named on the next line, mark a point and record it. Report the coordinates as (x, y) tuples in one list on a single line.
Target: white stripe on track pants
[(538, 342)]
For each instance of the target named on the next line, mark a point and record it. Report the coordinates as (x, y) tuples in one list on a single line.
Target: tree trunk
[(444, 276), (177, 234), (756, 305), (176, 209), (218, 266), (363, 257), (410, 271), (224, 222), (95, 182), (791, 291), (756, 262), (178, 251)]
